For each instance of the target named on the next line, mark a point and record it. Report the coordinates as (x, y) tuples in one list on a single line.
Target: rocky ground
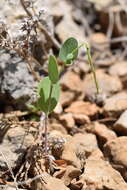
[(87, 133)]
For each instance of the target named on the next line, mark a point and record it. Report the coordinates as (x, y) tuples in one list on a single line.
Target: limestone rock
[(68, 174), (103, 133), (119, 69), (71, 81), (121, 123), (66, 98), (77, 148), (81, 107), (100, 175), (11, 146), (68, 28), (116, 151), (107, 84), (81, 118), (17, 82), (100, 40), (116, 104), (49, 183), (67, 120)]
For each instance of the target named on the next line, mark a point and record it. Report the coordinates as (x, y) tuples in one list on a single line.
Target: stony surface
[(14, 83), (99, 40), (116, 104), (9, 152), (116, 152), (10, 14), (107, 84), (67, 120), (103, 133), (10, 188), (74, 81), (119, 69), (77, 148), (66, 98), (87, 131), (67, 27), (49, 183), (57, 127), (68, 174), (14, 145), (121, 123), (81, 107), (100, 175), (81, 118), (16, 136)]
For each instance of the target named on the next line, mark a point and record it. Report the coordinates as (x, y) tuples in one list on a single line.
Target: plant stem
[(46, 138), (91, 64), (46, 121), (92, 67), (41, 126)]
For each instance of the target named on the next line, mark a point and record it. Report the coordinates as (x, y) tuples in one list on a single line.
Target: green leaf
[(46, 103), (69, 51), (32, 107), (53, 69)]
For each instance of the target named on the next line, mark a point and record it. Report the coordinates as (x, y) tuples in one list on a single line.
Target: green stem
[(92, 67), (90, 63)]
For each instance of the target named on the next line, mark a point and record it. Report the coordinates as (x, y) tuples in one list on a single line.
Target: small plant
[(49, 87)]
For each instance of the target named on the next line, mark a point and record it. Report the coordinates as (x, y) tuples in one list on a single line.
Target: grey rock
[(66, 27), (13, 15), (15, 80), (13, 146), (8, 150)]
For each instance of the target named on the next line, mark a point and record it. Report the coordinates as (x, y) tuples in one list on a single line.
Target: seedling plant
[(49, 87)]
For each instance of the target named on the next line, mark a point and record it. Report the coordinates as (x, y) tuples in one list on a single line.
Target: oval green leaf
[(53, 69), (69, 50), (45, 103)]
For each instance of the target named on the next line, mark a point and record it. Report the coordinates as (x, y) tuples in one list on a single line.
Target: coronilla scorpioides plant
[(49, 87)]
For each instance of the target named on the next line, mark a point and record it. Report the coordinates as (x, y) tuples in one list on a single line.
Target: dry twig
[(49, 38), (10, 169)]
